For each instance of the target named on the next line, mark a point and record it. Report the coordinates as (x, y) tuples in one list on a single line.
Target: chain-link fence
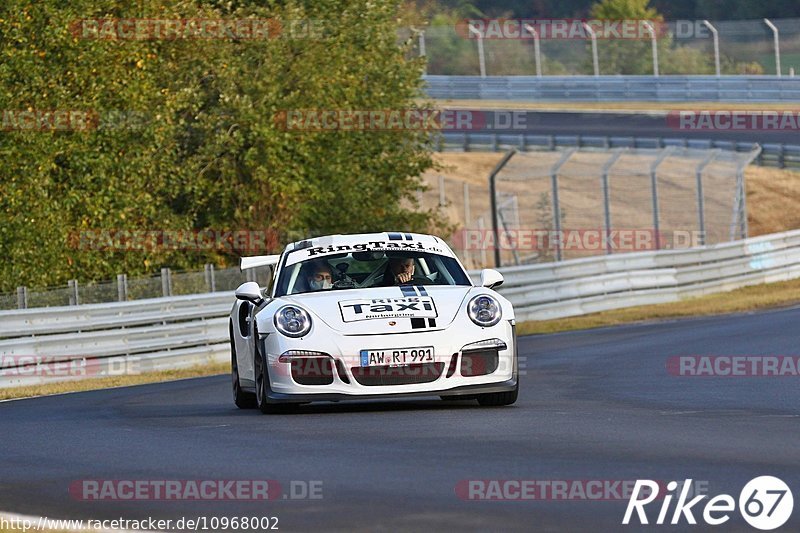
[(167, 283), (682, 47), (554, 205)]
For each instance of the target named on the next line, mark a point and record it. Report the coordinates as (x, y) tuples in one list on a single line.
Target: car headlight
[(292, 321), (484, 310)]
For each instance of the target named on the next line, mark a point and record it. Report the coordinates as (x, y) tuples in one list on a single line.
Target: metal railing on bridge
[(616, 88)]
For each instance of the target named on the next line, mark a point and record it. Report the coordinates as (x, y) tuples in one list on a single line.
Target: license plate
[(396, 356)]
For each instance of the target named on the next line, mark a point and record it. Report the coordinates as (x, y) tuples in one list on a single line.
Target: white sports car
[(381, 315)]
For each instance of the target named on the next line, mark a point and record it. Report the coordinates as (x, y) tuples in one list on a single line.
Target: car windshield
[(358, 270)]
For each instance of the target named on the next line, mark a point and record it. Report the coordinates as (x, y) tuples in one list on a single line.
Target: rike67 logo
[(765, 503)]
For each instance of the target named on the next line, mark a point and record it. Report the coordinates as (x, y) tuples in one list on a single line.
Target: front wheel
[(497, 399), (262, 388), (260, 370), (242, 398)]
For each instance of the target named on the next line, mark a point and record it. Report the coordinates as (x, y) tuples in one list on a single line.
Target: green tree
[(187, 136)]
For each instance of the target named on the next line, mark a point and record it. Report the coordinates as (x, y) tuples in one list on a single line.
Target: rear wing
[(258, 260)]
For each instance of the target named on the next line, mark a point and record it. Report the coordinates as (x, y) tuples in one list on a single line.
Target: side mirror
[(249, 292), (491, 278)]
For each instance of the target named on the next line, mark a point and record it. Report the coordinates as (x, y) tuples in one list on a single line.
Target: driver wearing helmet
[(320, 276)]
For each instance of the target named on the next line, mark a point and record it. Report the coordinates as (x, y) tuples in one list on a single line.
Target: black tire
[(497, 399), (262, 387), (242, 398)]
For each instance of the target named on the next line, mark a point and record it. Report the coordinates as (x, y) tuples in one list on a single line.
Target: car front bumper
[(343, 350)]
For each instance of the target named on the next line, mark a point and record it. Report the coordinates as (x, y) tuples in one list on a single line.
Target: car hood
[(383, 310)]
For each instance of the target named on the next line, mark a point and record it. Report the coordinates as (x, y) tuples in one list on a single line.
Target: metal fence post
[(442, 195), (211, 282), (700, 200), (421, 41), (606, 203), (537, 54), (776, 44), (22, 297), (493, 201), (654, 46), (715, 35), (515, 209), (736, 222), (481, 226), (467, 222), (122, 287), (740, 214), (481, 56), (506, 231), (654, 192), (593, 36), (467, 214), (166, 282), (556, 204), (73, 292)]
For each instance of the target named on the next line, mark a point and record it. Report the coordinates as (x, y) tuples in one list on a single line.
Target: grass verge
[(115, 381), (764, 296)]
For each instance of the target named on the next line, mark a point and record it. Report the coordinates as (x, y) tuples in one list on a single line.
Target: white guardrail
[(182, 331)]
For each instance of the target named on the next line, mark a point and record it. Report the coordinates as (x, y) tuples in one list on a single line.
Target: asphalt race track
[(619, 125), (594, 405)]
